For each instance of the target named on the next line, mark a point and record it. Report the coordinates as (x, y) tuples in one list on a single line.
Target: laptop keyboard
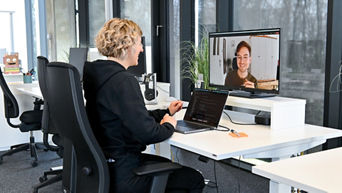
[(190, 125)]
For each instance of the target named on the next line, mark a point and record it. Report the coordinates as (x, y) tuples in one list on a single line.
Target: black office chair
[(89, 171), (48, 128), (30, 121)]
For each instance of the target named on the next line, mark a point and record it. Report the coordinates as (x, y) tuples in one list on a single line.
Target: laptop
[(203, 112)]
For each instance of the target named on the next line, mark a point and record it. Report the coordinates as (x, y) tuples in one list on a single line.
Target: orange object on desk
[(241, 134)]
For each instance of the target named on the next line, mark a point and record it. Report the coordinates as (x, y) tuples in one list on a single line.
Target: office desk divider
[(294, 109)]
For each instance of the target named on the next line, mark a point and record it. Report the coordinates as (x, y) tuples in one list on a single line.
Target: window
[(96, 19), (205, 18), (60, 24), (303, 38), (13, 30), (175, 73), (140, 13)]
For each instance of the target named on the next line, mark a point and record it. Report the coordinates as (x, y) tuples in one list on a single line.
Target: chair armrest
[(156, 168)]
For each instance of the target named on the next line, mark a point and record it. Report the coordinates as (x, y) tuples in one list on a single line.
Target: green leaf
[(197, 60)]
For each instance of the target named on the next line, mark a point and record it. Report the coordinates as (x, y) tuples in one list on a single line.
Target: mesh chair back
[(66, 106)]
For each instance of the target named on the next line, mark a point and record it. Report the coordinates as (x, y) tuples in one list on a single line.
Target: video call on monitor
[(262, 59)]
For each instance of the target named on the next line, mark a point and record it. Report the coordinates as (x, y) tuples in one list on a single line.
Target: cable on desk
[(224, 130), (237, 122), (258, 113)]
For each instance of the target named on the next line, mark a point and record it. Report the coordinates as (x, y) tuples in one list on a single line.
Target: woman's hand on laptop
[(175, 106), (168, 119)]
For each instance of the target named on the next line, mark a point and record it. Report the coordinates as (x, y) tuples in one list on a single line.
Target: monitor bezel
[(246, 33)]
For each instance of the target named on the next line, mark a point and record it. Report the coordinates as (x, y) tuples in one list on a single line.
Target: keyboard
[(190, 125)]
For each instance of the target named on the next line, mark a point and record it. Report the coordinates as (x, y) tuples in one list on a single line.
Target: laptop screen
[(205, 107)]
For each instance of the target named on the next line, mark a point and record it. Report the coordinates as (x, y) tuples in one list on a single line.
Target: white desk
[(262, 142), (318, 172), (31, 90), (34, 91)]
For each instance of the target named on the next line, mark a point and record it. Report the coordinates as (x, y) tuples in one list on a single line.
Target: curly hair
[(116, 36)]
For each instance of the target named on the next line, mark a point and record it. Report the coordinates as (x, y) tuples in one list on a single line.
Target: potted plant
[(197, 58)]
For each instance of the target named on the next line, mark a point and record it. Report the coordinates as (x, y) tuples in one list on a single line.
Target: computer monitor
[(140, 69), (247, 61), (77, 58)]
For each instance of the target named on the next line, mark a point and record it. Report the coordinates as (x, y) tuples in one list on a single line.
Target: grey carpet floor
[(18, 176)]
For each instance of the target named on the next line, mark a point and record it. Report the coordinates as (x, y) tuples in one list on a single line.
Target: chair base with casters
[(32, 146), (44, 181), (56, 171)]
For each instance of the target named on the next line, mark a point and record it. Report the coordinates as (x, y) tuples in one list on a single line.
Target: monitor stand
[(246, 94)]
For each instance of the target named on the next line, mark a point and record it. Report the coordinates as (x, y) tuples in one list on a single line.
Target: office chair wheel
[(35, 190), (42, 179), (34, 163), (0, 160)]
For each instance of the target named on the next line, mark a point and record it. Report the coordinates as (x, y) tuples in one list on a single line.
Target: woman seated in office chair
[(118, 116)]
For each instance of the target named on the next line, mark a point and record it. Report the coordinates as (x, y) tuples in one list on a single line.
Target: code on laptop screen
[(206, 107)]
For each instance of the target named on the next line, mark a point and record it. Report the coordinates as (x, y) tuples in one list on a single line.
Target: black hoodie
[(117, 112)]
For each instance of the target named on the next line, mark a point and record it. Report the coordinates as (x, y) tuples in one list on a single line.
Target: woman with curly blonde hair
[(119, 118)]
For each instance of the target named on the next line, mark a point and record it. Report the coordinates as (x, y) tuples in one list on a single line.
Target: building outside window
[(140, 12), (96, 19), (205, 18), (303, 39), (61, 31)]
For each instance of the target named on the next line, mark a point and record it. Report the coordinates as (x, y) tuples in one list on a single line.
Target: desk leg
[(276, 187), (164, 149)]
